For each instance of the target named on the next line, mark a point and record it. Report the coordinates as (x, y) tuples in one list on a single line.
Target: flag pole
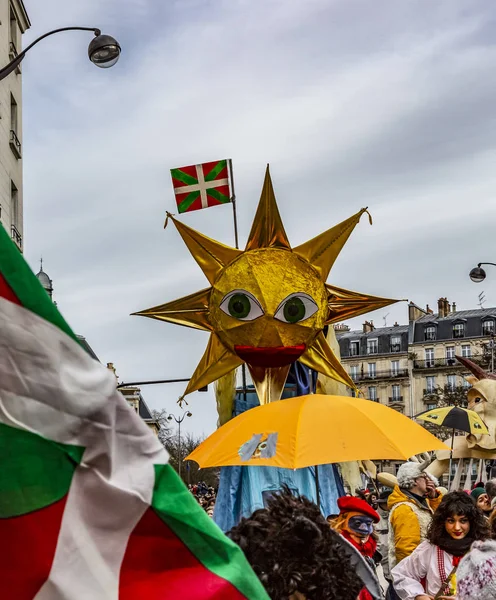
[(233, 202), (236, 241)]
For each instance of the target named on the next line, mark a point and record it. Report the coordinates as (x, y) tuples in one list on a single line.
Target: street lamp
[(179, 421), (103, 51), (477, 274)]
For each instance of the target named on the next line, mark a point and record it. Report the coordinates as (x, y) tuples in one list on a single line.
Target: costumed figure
[(355, 523), (430, 571), (266, 307)]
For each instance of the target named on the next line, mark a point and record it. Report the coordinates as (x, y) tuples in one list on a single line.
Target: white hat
[(476, 578), (409, 472)]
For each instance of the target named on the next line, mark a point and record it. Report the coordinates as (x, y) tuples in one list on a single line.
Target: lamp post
[(179, 421), (477, 274), (103, 51)]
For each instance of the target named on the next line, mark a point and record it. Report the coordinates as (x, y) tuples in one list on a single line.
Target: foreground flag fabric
[(201, 186), (89, 507)]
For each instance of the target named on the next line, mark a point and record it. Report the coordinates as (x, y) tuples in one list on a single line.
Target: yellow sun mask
[(267, 305)]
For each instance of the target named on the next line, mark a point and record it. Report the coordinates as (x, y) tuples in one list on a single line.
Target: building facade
[(377, 361), (14, 21), (405, 365), (435, 341)]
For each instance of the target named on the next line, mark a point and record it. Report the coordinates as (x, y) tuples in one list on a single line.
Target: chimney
[(368, 327), (396, 324), (415, 312), (429, 310), (441, 308), (453, 307), (447, 307)]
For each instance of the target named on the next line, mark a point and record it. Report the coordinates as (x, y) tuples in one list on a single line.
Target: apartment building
[(402, 366), (14, 21), (435, 340), (377, 360)]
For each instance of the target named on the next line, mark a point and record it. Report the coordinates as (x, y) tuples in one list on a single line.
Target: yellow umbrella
[(314, 430)]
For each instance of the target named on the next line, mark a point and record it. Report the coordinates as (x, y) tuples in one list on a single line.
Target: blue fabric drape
[(242, 490)]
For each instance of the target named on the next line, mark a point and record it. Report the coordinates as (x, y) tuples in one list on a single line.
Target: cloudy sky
[(388, 104)]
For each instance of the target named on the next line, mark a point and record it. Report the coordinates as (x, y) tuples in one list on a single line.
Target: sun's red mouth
[(278, 356)]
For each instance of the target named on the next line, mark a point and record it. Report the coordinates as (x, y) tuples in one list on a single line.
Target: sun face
[(267, 305)]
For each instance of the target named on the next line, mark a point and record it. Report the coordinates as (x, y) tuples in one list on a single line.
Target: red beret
[(351, 504)]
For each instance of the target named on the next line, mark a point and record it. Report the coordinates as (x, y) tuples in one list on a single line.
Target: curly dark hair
[(457, 503), (292, 549), (492, 524)]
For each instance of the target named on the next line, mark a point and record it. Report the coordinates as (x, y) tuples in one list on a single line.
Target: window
[(488, 327), (465, 383), (450, 355), (395, 343), (354, 348), (429, 357), (451, 382), (373, 393), (395, 367), (13, 28), (431, 405), (13, 114), (372, 346), (459, 330), (396, 390), (466, 350), (430, 384), (430, 332), (372, 370), (354, 372), (14, 203)]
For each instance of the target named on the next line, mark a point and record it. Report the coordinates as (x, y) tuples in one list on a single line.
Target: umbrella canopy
[(313, 430), (455, 417)]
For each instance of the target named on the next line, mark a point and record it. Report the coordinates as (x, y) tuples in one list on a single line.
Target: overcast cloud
[(354, 103)]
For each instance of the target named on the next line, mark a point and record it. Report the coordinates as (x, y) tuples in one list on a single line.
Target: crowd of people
[(430, 544), (205, 496)]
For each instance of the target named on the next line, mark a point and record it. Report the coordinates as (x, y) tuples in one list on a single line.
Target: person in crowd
[(372, 500), (430, 571), (477, 573), (295, 553), (411, 506), (382, 531), (482, 500), (355, 523), (491, 489)]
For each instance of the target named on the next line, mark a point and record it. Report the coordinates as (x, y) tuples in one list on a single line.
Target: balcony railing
[(380, 375), (433, 363), (16, 236), (15, 144), (395, 399)]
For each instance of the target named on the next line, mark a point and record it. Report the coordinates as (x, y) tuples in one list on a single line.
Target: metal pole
[(236, 241), (451, 459), (317, 490), (233, 202), (18, 59), (179, 450), (492, 353)]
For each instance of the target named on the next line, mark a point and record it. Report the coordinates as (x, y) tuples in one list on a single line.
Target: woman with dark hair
[(430, 571)]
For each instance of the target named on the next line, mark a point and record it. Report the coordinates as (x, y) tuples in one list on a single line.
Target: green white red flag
[(201, 186), (89, 506)]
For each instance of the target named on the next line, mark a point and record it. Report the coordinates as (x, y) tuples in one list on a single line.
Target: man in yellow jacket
[(411, 506)]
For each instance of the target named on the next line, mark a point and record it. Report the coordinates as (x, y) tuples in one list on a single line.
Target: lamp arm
[(486, 263), (13, 64)]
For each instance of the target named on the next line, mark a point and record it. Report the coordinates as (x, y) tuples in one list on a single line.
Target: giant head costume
[(267, 305)]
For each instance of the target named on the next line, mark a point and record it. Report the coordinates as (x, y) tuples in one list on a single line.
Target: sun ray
[(216, 362), (323, 250), (321, 358), (269, 383), (267, 230), (345, 304), (189, 311), (210, 255)]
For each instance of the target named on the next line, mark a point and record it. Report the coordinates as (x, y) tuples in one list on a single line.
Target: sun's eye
[(295, 308), (241, 305)]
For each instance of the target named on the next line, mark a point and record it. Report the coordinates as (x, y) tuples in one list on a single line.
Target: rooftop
[(460, 314), (395, 329)]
